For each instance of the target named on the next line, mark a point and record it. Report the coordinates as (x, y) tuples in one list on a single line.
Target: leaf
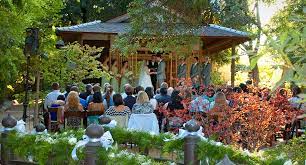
[(254, 61)]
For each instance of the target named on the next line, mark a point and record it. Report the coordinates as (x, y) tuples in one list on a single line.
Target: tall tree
[(165, 25), (287, 41), (15, 17), (81, 11)]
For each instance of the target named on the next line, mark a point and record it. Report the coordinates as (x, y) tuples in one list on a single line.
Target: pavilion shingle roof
[(121, 28)]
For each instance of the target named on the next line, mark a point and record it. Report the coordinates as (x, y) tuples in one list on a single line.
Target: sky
[(266, 12)]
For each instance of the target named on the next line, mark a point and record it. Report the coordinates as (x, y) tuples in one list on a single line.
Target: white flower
[(288, 162), (246, 152), (50, 140), (218, 143), (112, 155), (281, 156), (72, 141)]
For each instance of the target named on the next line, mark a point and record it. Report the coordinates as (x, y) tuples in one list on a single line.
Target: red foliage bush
[(250, 123)]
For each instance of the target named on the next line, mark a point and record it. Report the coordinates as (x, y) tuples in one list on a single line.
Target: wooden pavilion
[(214, 39)]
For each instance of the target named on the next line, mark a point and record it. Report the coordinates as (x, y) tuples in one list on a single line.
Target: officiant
[(153, 65)]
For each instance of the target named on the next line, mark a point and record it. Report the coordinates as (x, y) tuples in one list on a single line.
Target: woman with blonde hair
[(142, 105), (73, 104)]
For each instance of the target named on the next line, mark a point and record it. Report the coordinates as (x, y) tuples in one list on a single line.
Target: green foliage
[(215, 154), (57, 147), (103, 10), (216, 78), (294, 150), (43, 148), (72, 64), (15, 17), (163, 27), (288, 42)]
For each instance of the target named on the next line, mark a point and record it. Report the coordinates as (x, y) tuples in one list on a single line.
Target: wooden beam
[(218, 44)]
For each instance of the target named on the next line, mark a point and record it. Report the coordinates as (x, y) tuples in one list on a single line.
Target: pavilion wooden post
[(233, 65), (171, 69)]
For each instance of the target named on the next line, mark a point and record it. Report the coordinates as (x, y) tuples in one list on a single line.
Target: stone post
[(190, 143), (39, 128), (9, 122), (94, 132)]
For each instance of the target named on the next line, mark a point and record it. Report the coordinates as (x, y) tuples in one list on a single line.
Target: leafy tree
[(77, 11), (164, 26), (15, 17), (72, 64), (287, 41)]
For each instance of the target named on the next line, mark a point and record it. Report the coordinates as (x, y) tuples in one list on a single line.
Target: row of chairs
[(53, 125)]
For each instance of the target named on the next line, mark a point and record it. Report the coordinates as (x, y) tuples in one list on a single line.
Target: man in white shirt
[(52, 96)]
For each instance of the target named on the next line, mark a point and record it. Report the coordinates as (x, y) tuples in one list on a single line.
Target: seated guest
[(95, 105), (124, 95), (95, 88), (119, 112), (82, 101), (157, 91), (200, 104), (296, 100), (176, 101), (88, 92), (60, 102), (169, 91), (129, 100), (163, 97), (244, 88), (209, 95), (164, 85), (220, 102), (150, 93), (237, 89), (73, 104), (67, 90), (143, 105), (137, 90), (108, 97), (229, 96), (52, 96), (142, 117)]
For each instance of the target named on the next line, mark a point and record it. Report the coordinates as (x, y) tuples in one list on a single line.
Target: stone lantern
[(104, 119), (9, 121), (192, 126), (94, 132), (40, 128)]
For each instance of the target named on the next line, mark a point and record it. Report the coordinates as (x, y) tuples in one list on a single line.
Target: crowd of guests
[(137, 100)]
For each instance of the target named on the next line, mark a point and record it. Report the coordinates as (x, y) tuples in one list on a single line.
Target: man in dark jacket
[(163, 97)]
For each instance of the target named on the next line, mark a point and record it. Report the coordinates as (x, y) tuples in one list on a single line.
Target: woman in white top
[(150, 93)]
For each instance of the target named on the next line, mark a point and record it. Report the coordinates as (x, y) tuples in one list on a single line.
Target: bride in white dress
[(144, 76)]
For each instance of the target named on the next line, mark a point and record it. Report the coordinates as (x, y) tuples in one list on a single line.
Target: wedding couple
[(154, 75)]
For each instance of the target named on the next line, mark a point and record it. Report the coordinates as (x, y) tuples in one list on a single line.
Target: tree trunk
[(255, 75), (255, 71)]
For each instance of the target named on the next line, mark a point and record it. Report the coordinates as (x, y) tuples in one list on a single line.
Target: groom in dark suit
[(153, 65)]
